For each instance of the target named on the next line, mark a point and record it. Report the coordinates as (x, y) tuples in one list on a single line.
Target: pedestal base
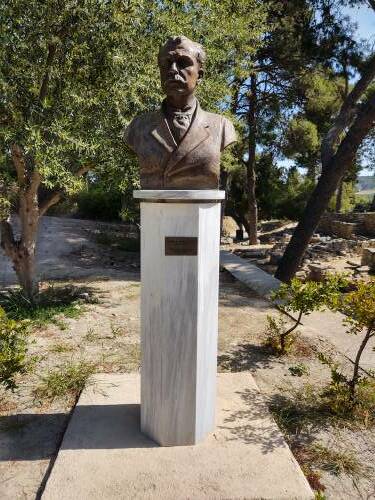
[(179, 314)]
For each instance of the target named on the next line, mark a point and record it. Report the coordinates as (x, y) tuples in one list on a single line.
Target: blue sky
[(364, 17)]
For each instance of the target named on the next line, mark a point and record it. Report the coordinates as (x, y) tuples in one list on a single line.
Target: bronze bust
[(179, 146)]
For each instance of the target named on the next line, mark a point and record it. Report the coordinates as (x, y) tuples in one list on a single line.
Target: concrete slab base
[(105, 456)]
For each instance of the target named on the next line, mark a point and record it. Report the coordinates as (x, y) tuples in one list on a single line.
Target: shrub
[(299, 370), (358, 391), (276, 338), (299, 298), (12, 350), (124, 243), (99, 204)]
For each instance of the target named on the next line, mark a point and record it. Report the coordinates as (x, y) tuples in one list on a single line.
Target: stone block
[(229, 226), (275, 258), (369, 223), (344, 229), (368, 258), (317, 272), (255, 253)]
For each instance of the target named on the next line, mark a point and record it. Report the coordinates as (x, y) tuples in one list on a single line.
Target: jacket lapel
[(197, 133), (163, 135)]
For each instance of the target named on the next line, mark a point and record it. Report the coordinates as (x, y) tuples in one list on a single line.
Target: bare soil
[(107, 333)]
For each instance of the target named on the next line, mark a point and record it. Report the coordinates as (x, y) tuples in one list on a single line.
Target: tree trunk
[(285, 335), (250, 164), (25, 267), (339, 196), (354, 381), (328, 182), (372, 206), (22, 251)]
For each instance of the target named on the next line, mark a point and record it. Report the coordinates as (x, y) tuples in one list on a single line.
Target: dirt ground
[(107, 334)]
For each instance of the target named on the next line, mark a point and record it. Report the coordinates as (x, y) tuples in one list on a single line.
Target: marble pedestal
[(180, 237)]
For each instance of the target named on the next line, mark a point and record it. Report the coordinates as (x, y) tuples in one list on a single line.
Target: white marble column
[(180, 237)]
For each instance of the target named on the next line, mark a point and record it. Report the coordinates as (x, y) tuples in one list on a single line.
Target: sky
[(364, 17)]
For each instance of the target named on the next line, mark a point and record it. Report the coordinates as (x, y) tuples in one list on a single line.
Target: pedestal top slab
[(179, 195)]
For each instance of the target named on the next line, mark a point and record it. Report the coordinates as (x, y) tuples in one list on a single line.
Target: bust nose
[(173, 68)]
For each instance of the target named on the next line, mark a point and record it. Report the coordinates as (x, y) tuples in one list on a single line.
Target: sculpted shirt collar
[(170, 111)]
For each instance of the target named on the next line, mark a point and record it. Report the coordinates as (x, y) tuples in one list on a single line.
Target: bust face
[(180, 71)]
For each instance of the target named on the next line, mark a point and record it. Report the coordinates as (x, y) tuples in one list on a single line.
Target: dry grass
[(64, 382)]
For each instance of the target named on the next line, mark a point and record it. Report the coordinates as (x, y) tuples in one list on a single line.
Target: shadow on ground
[(246, 356), (253, 425), (31, 436), (28, 437)]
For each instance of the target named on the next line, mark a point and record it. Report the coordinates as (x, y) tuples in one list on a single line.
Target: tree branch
[(324, 190), (82, 170), (44, 87), (19, 163), (347, 113), (54, 198), (56, 195)]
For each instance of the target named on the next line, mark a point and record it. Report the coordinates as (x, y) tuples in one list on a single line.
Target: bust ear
[(200, 76)]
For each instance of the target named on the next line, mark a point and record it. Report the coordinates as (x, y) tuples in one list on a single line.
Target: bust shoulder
[(223, 126), (140, 124), (150, 117)]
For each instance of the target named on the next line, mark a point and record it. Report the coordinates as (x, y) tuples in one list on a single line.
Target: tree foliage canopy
[(74, 73)]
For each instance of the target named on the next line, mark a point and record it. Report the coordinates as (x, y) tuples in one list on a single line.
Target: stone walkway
[(249, 274), (325, 324)]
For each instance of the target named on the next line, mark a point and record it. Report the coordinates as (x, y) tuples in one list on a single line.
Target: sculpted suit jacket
[(192, 164)]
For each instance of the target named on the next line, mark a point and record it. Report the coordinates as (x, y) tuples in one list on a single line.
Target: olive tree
[(62, 65), (71, 75)]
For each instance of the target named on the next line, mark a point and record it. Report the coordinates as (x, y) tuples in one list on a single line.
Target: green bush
[(99, 204), (348, 200), (301, 299), (12, 350), (358, 307)]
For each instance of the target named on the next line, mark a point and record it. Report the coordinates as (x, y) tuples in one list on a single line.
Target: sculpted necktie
[(180, 124)]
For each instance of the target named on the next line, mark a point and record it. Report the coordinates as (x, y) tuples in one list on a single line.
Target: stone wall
[(364, 223)]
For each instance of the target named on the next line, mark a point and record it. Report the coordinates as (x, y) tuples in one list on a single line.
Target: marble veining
[(179, 309)]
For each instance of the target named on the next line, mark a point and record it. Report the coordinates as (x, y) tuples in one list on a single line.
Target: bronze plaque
[(181, 245)]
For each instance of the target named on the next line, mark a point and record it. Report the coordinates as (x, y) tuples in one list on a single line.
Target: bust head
[(181, 65)]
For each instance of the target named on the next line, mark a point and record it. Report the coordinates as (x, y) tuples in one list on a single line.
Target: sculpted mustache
[(176, 78)]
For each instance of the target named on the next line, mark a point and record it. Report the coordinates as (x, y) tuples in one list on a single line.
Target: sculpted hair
[(173, 41)]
